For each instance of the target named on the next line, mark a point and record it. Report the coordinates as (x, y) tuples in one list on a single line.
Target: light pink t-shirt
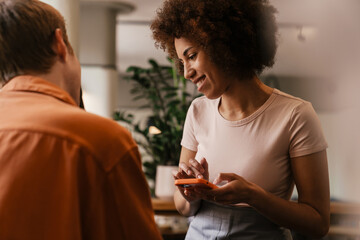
[(258, 147)]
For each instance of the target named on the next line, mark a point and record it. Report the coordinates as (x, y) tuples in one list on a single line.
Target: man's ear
[(59, 45)]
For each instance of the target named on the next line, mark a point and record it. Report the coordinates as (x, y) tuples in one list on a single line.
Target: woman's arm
[(187, 201), (309, 216)]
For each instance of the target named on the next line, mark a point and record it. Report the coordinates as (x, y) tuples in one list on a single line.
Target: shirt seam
[(250, 118), (130, 150), (72, 140), (308, 150), (291, 123)]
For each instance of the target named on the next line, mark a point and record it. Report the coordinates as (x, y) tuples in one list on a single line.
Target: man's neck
[(57, 76)]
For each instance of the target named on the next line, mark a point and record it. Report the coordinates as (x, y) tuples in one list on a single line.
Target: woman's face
[(200, 70)]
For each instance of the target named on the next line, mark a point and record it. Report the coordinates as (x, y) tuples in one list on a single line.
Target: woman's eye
[(192, 56)]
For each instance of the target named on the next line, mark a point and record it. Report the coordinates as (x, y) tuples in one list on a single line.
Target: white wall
[(99, 86), (97, 31), (97, 55), (323, 69), (70, 10), (134, 47), (332, 56)]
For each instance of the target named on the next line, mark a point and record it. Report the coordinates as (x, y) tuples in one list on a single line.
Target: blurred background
[(318, 59)]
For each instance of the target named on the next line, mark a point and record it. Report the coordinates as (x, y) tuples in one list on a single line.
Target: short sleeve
[(188, 139), (306, 135)]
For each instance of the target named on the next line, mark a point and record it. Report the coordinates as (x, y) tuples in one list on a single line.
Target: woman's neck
[(242, 98)]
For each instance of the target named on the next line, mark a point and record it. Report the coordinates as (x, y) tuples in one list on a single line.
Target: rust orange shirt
[(65, 173)]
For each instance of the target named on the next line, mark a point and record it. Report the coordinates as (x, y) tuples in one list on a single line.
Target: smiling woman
[(211, 25), (198, 68), (258, 140)]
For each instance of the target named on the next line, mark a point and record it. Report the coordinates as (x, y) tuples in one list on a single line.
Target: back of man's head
[(27, 30)]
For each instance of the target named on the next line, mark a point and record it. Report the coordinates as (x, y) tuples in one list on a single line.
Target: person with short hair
[(64, 173), (255, 141)]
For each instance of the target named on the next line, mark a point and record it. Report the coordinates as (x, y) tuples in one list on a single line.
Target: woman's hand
[(194, 169), (309, 216), (236, 190)]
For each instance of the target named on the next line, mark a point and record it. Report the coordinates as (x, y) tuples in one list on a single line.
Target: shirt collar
[(35, 84)]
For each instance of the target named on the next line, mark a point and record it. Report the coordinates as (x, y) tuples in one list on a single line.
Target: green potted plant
[(167, 95)]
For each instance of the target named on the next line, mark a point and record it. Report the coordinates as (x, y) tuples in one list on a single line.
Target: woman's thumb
[(224, 177)]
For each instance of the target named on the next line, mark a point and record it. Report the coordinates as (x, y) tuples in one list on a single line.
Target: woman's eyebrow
[(186, 51)]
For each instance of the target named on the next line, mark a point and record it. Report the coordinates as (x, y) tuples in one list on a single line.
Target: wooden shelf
[(345, 208), (340, 230), (163, 204), (167, 207), (346, 217)]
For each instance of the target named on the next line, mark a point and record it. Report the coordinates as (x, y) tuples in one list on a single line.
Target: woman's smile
[(198, 68), (200, 82)]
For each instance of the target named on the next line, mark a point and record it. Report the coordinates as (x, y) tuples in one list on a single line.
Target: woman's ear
[(59, 45)]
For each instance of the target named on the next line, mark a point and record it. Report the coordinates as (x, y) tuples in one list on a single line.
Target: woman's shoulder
[(295, 107), (287, 100)]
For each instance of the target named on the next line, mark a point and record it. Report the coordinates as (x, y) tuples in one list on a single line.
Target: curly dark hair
[(239, 36)]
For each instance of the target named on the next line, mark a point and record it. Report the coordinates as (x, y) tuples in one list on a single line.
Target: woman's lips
[(200, 83)]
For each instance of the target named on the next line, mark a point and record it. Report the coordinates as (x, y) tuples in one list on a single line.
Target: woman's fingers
[(175, 174), (186, 169), (195, 169), (200, 169), (197, 165), (204, 164), (225, 177), (219, 195), (178, 174)]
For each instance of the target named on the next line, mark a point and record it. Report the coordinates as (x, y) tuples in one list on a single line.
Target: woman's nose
[(188, 72)]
